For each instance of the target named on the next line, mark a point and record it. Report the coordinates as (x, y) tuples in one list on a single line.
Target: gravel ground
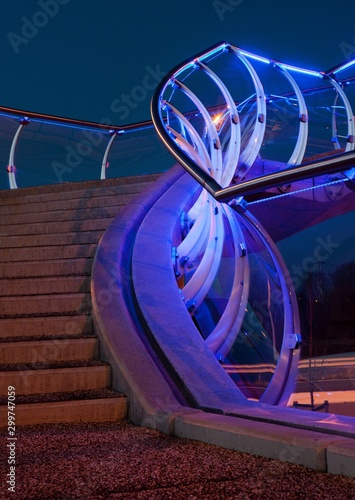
[(120, 460)]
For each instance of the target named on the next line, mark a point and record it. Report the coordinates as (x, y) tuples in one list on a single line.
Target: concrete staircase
[(48, 351)]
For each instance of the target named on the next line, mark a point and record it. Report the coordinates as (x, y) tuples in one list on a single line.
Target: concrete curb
[(321, 452)]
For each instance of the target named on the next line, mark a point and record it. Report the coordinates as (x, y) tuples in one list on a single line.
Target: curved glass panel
[(253, 356), (318, 249)]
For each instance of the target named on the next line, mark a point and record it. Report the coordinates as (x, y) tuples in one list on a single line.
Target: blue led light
[(291, 193), (300, 70), (192, 64), (220, 48), (249, 55), (344, 67)]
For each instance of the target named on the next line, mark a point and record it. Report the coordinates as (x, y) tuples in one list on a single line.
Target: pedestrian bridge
[(215, 287)]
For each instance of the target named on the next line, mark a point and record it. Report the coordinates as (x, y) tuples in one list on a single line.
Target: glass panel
[(315, 232), (48, 152), (252, 359), (138, 152), (306, 115)]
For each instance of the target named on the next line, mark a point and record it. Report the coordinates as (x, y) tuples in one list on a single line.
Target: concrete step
[(41, 286), (86, 201), (36, 305), (48, 351), (37, 240), (123, 185), (87, 410), (79, 214), (48, 239), (49, 380), (61, 267), (56, 227), (53, 252), (46, 326)]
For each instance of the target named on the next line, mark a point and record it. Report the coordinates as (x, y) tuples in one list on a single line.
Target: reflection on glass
[(52, 151), (315, 232)]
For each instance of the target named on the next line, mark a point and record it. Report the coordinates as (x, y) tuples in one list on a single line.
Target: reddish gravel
[(120, 460)]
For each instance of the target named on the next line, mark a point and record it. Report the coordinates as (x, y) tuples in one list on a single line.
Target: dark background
[(77, 60)]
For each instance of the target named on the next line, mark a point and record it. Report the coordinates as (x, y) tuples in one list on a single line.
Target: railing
[(242, 125), (319, 103), (40, 149)]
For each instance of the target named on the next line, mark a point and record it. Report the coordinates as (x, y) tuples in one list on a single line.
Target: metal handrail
[(339, 163), (24, 118), (71, 121)]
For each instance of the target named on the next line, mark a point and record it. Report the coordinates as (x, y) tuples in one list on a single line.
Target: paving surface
[(120, 460)]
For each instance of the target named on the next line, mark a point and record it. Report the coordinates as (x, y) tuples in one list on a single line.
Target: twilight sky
[(79, 58)]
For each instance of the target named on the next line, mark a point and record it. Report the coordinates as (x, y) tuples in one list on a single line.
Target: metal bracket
[(293, 340), (184, 224), (174, 258), (238, 204), (190, 305)]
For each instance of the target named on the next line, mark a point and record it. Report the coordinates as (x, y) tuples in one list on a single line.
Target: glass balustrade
[(37, 150), (275, 143)]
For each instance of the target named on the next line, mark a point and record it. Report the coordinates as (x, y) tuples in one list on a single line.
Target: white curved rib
[(197, 288), (300, 148), (252, 149), (214, 142), (232, 153), (350, 145), (195, 137), (226, 331), (196, 240)]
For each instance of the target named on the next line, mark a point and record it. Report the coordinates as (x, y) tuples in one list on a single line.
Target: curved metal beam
[(350, 145), (248, 156), (301, 144), (214, 142), (233, 150), (107, 152), (11, 169), (223, 336)]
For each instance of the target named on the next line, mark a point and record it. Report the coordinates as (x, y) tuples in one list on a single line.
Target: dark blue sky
[(76, 58)]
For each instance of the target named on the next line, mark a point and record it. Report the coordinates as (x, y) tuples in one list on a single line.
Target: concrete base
[(341, 458), (321, 452)]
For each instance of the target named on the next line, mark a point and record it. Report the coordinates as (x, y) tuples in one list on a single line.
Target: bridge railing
[(37, 149), (249, 130)]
